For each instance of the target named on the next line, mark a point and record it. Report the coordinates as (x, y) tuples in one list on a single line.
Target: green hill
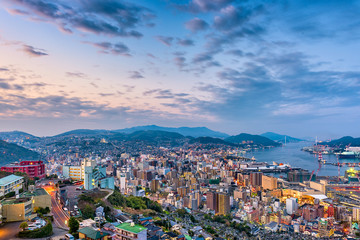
[(10, 152), (255, 139), (209, 140), (343, 142), (280, 138)]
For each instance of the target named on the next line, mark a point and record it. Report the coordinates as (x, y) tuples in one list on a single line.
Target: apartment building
[(11, 183), (130, 231)]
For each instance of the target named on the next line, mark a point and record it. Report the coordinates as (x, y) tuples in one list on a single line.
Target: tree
[(23, 225), (88, 212), (73, 224)]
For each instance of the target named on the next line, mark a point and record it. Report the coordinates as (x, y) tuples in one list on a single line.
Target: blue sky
[(234, 66)]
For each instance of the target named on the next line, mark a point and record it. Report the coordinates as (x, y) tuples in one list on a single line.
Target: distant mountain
[(10, 152), (280, 138), (185, 131), (151, 135), (84, 132), (343, 142), (256, 139), (209, 140), (157, 138), (15, 135)]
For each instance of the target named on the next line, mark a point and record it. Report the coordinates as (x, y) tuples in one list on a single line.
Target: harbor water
[(291, 154)]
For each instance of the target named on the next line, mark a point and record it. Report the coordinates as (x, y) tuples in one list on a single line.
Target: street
[(60, 217), (9, 230)]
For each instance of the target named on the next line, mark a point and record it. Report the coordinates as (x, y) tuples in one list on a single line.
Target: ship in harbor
[(348, 155)]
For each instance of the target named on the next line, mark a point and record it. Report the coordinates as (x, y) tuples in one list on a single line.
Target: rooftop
[(136, 228), (37, 192), (15, 200), (9, 179), (92, 233)]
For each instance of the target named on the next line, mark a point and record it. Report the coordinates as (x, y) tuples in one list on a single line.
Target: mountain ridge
[(343, 142), (280, 137), (10, 152), (256, 139), (185, 131)]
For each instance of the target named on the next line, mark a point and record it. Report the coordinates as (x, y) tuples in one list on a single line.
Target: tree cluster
[(119, 200)]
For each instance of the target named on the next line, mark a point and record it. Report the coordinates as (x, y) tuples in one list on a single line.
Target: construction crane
[(319, 160), (338, 163)]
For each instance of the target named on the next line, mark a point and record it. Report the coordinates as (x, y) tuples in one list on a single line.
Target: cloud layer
[(250, 65)]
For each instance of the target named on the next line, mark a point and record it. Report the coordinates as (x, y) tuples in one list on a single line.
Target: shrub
[(10, 194), (45, 231), (73, 225)]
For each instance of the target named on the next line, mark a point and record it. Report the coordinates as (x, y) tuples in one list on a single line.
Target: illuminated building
[(10, 183), (31, 168), (269, 182), (223, 203)]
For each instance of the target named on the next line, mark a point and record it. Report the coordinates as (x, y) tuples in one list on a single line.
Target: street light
[(66, 222)]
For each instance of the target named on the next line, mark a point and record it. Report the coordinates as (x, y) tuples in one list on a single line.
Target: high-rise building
[(256, 179), (211, 200), (223, 203), (155, 185), (356, 214), (291, 205), (269, 182)]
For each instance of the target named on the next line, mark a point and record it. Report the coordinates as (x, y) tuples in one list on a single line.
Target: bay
[(291, 154)]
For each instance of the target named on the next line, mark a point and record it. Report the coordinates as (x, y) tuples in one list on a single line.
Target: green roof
[(40, 192), (37, 192), (134, 229), (92, 233), (10, 201), (188, 237), (9, 179)]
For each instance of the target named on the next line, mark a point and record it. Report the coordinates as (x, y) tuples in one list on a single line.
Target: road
[(60, 217), (9, 230)]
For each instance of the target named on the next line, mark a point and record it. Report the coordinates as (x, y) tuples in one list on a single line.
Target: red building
[(31, 168), (331, 211)]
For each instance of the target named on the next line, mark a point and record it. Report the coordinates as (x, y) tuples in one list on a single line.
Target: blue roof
[(9, 179)]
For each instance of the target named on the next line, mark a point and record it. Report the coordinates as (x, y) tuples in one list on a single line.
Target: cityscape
[(179, 120)]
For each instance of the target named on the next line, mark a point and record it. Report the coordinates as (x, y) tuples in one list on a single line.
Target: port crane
[(338, 163), (320, 159)]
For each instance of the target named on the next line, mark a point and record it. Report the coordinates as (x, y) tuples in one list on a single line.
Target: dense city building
[(34, 169), (11, 183)]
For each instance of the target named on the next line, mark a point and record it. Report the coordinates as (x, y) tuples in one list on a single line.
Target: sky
[(290, 67)]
